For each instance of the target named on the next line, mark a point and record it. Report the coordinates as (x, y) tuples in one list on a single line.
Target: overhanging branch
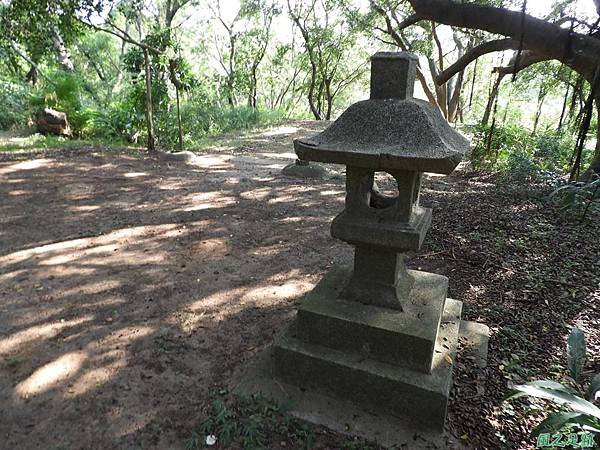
[(526, 59), (410, 20), (122, 35), (545, 38), (473, 54)]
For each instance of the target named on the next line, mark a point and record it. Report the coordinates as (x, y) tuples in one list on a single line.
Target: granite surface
[(388, 134)]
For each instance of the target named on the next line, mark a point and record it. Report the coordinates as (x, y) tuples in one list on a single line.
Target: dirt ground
[(131, 288)]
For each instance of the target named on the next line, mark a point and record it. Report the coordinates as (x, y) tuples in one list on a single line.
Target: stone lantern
[(376, 333)]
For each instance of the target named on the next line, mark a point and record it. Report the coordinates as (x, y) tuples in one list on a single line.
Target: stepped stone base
[(406, 338), (377, 386), (397, 362), (393, 369), (343, 415)]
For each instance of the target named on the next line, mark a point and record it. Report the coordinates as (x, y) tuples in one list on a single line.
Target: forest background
[(172, 73)]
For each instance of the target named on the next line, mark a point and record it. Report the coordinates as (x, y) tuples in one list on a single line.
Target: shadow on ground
[(130, 289)]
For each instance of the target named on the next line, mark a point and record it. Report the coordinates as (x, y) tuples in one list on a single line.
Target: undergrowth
[(255, 422), (537, 164), (39, 141)]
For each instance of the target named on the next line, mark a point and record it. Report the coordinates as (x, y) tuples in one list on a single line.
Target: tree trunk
[(473, 83), (149, 115), (328, 99), (538, 111), (313, 71), (491, 99), (311, 92), (180, 128), (253, 89), (564, 108), (454, 101), (231, 74), (62, 55), (440, 90), (595, 164), (586, 119), (32, 75), (594, 167)]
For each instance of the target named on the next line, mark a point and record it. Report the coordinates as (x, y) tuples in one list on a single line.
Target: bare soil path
[(131, 288)]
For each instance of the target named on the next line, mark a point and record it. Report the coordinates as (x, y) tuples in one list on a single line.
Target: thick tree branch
[(526, 59), (581, 52), (92, 62), (125, 37), (410, 20), (15, 49), (473, 54)]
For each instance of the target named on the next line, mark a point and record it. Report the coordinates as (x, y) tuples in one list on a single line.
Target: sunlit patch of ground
[(131, 289)]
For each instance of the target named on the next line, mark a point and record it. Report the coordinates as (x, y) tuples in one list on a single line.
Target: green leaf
[(593, 389), (556, 421), (547, 384), (557, 393), (576, 353)]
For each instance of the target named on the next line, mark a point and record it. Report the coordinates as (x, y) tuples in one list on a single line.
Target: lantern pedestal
[(396, 362), (377, 334)]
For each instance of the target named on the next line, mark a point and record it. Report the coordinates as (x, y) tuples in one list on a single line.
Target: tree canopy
[(141, 68)]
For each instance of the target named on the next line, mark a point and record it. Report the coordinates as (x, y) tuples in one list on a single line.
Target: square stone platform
[(377, 386), (381, 374), (343, 414), (405, 338)]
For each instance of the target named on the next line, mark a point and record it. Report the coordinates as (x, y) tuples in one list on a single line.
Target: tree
[(156, 52), (41, 26), (425, 41), (227, 51), (254, 42), (328, 40), (535, 40)]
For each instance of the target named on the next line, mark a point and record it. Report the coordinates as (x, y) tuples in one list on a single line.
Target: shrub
[(555, 149), (62, 93), (579, 198), (575, 404), (202, 121), (14, 106), (517, 155)]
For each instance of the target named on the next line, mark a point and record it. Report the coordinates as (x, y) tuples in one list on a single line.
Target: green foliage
[(250, 421), (202, 121), (14, 107), (554, 149), (579, 197), (575, 408), (255, 422), (124, 117), (63, 92), (517, 155), (67, 92), (32, 23), (576, 353)]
